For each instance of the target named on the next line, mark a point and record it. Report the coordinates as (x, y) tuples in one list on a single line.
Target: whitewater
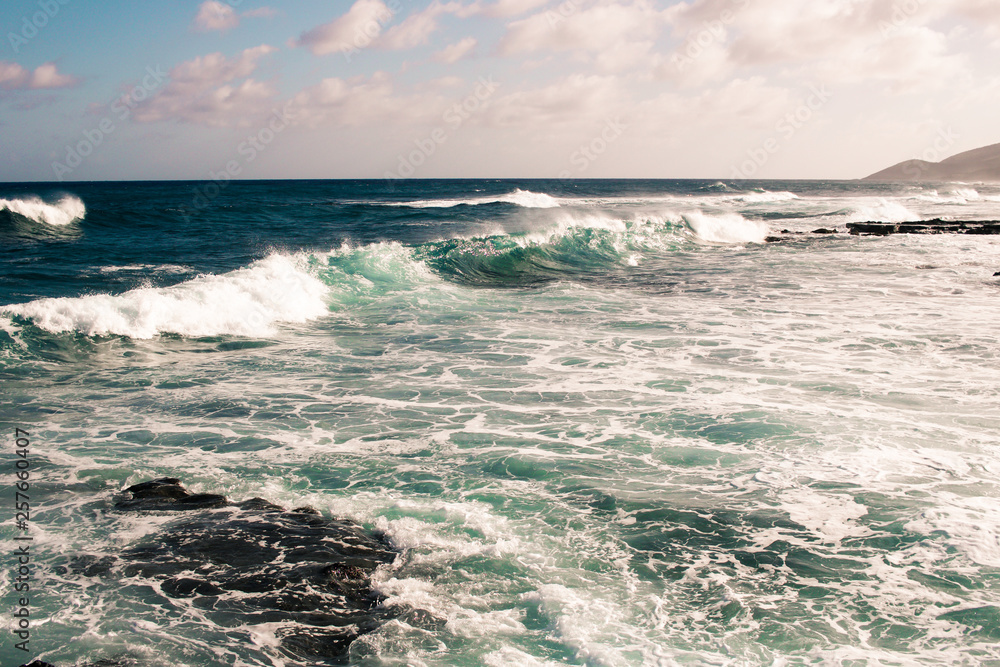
[(598, 422)]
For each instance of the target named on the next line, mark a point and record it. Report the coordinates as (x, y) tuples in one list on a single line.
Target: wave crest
[(523, 198), (883, 211), (725, 228), (245, 302), (67, 209)]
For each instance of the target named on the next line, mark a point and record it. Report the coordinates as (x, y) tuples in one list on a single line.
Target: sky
[(721, 89)]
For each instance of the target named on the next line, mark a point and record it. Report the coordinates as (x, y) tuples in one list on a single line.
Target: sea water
[(602, 422)]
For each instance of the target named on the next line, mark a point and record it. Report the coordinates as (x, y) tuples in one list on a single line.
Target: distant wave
[(579, 244), (718, 186), (956, 196), (524, 198), (707, 196), (145, 268), (68, 209), (760, 197)]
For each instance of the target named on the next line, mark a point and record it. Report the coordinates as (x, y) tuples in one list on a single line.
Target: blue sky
[(492, 88)]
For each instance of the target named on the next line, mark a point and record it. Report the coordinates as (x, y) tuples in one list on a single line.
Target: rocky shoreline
[(254, 562), (935, 226)]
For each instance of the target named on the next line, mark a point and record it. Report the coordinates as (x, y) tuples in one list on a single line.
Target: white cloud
[(577, 99), (502, 8), (357, 28), (15, 77), (620, 35), (365, 23), (416, 29), (205, 91), (360, 101), (836, 41), (214, 15), (455, 52)]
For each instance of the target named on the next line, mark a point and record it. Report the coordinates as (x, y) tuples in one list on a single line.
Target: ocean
[(599, 422)]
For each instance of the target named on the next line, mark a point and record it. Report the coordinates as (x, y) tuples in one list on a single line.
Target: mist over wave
[(884, 211), (726, 228), (66, 210)]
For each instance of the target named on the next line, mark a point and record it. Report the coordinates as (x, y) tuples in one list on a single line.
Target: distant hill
[(981, 164)]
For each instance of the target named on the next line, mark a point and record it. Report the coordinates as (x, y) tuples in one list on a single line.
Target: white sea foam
[(577, 620), (971, 525), (524, 198), (725, 228), (153, 268), (762, 197), (68, 209), (955, 196), (883, 210), (246, 302)]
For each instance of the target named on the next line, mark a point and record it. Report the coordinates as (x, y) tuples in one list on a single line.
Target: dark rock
[(996, 274), (824, 230), (936, 226), (167, 494), (297, 568), (772, 239), (37, 663)]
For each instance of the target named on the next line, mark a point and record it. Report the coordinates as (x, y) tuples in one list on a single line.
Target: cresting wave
[(66, 210), (297, 288), (523, 198), (880, 211), (246, 302), (579, 244)]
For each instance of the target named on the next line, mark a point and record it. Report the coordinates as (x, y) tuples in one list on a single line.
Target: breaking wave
[(283, 289), (725, 228), (882, 211), (246, 302), (523, 198), (59, 214)]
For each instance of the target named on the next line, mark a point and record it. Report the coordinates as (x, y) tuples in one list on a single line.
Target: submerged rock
[(254, 562)]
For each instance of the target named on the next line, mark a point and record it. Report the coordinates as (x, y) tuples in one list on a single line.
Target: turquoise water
[(603, 422)]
